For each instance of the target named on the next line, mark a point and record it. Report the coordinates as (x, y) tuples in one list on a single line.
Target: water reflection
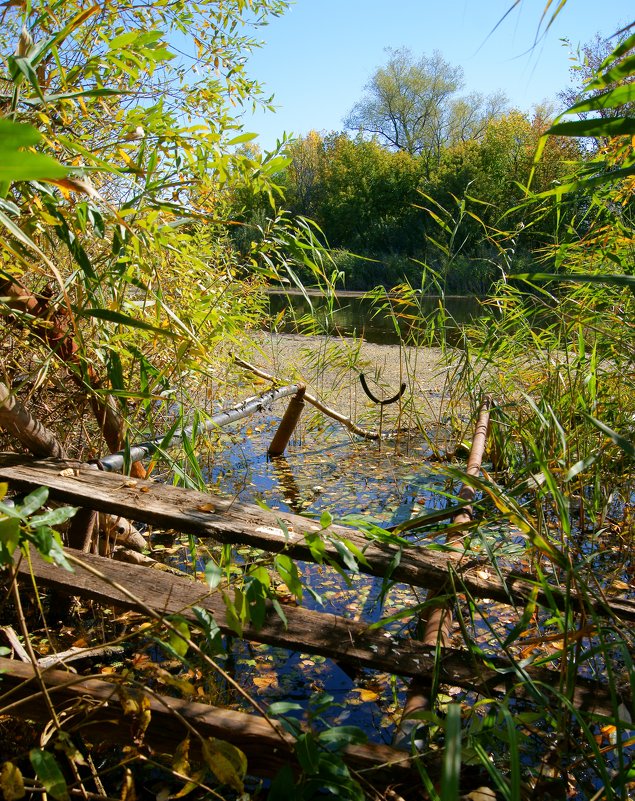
[(359, 316)]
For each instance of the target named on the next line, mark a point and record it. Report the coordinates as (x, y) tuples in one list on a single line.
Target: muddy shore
[(330, 368)]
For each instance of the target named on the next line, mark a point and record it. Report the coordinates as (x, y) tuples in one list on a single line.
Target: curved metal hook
[(394, 399)]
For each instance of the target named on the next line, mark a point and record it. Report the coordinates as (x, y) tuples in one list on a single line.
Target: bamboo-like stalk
[(114, 462), (436, 626), (340, 418)]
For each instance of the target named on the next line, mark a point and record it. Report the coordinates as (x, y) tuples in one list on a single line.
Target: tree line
[(426, 182)]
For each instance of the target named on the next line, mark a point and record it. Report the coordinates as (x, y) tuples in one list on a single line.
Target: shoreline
[(330, 367), (354, 293)]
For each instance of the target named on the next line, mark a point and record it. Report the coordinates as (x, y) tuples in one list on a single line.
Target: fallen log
[(332, 413), (208, 515), (100, 717), (348, 642)]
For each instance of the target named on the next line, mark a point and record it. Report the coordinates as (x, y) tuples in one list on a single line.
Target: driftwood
[(77, 654), (208, 515), (14, 641), (287, 424), (21, 424), (335, 415), (70, 655), (100, 717), (349, 642)]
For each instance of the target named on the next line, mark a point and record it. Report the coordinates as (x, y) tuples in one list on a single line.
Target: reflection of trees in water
[(361, 317)]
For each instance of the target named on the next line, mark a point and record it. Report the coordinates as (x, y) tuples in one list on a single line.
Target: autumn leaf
[(11, 782), (366, 694), (227, 763), (181, 760)]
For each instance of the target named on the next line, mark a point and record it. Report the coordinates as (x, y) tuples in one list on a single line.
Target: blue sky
[(320, 54)]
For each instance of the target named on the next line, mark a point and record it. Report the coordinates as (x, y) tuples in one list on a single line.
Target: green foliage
[(20, 525), (124, 240), (20, 164), (367, 201), (49, 774), (554, 351), (410, 105), (319, 753)]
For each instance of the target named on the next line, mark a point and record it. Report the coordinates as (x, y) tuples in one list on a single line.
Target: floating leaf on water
[(482, 794), (268, 680), (366, 694)]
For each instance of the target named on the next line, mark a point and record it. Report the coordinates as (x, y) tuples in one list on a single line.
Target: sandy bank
[(330, 368)]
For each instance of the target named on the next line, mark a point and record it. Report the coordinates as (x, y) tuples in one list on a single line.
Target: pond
[(325, 470), (355, 314), (321, 471)]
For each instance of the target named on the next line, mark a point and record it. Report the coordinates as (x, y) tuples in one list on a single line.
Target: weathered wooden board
[(267, 746), (349, 642), (207, 515)]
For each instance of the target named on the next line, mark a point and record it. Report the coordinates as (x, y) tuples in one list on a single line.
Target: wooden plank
[(347, 641), (247, 524), (267, 746)]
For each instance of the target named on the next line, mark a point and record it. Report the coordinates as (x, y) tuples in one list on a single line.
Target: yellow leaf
[(181, 760), (177, 639), (268, 680), (366, 694), (206, 507), (227, 763), (11, 782), (482, 794), (128, 792), (129, 704), (197, 779)]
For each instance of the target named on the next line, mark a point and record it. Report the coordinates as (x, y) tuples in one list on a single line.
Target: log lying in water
[(349, 642), (208, 515), (267, 746), (321, 407)]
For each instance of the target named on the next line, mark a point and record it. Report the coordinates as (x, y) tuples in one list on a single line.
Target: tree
[(405, 102), (116, 231), (589, 59), (410, 105)]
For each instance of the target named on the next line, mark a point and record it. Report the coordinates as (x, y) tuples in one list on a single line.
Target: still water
[(357, 315)]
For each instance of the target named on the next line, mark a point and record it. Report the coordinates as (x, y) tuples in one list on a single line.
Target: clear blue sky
[(320, 54)]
